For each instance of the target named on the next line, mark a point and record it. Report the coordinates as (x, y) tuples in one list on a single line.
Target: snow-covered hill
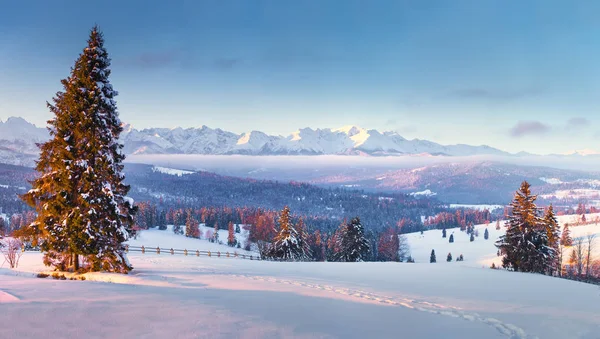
[(482, 252), (202, 297), (18, 138)]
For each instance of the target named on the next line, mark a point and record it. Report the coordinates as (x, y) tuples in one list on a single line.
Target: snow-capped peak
[(350, 130), (583, 152)]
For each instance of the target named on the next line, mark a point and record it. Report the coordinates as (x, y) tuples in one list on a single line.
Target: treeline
[(459, 218), (281, 235), (324, 206)]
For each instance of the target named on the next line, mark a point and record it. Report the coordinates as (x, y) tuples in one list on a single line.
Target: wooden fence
[(186, 252), (174, 251)]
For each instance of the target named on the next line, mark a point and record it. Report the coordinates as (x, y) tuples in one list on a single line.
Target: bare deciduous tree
[(579, 250), (11, 250), (403, 248), (588, 255)]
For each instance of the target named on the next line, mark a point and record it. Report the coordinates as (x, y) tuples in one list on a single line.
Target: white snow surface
[(480, 207), (426, 193), (171, 171), (551, 181), (191, 297), (154, 237)]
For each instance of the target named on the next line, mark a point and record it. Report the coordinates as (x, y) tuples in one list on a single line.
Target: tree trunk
[(75, 262)]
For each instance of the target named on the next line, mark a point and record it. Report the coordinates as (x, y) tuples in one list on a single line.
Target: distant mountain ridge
[(18, 138), (349, 140)]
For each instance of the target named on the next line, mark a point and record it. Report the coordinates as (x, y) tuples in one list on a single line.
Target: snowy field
[(191, 297), (153, 238), (481, 252)]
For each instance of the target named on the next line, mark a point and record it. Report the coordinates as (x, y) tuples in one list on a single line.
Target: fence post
[(219, 254), (158, 250), (143, 249), (185, 252), (197, 253), (172, 252), (22, 247), (209, 253), (227, 254), (251, 258)]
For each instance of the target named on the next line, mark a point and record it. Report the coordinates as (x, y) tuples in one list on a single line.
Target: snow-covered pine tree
[(353, 244), (432, 257), (215, 237), (80, 197), (192, 229), (231, 235), (525, 244), (553, 234), (486, 234), (305, 250), (565, 238), (286, 244)]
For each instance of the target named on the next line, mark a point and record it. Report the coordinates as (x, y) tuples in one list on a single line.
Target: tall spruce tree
[(553, 234), (353, 244), (306, 253), (525, 244), (80, 198), (286, 245)]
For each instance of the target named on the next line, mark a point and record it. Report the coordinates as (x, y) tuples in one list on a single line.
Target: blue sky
[(517, 75)]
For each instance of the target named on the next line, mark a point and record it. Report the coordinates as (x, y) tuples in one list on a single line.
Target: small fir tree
[(449, 257), (451, 239), (216, 234), (565, 238), (192, 229), (231, 235), (444, 232), (472, 238), (432, 257), (486, 234)]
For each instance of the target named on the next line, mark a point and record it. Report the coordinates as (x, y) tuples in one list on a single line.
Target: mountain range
[(18, 138)]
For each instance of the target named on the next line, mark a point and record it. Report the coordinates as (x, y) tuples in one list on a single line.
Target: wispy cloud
[(156, 59), (226, 64), (524, 128), (577, 123)]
